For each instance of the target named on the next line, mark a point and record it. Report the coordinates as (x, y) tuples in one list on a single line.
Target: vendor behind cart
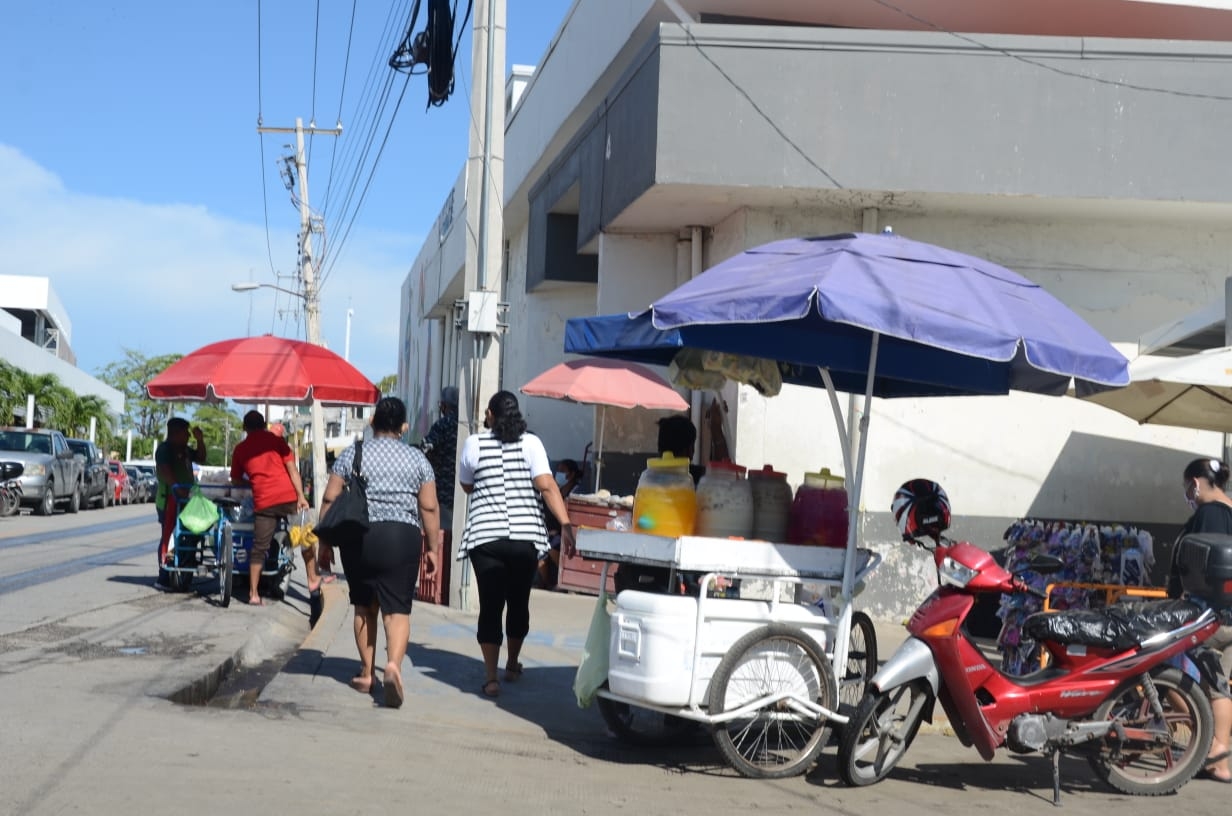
[(174, 461), (265, 461)]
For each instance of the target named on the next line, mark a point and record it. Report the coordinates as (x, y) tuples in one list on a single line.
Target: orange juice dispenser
[(665, 502), (819, 511)]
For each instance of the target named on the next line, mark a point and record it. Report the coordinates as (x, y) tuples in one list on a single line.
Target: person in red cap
[(264, 461)]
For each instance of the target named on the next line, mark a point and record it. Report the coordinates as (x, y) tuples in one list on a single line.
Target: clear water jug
[(724, 502)]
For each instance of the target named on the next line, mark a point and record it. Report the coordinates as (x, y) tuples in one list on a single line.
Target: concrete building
[(1079, 144), (36, 336)]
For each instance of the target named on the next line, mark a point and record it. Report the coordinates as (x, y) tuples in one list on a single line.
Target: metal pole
[(312, 311)]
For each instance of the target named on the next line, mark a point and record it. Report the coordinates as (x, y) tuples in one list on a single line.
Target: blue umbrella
[(877, 314)]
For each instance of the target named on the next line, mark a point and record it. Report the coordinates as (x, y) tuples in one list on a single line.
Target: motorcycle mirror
[(1044, 564)]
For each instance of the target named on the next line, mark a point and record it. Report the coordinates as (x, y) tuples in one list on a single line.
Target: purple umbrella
[(903, 317)]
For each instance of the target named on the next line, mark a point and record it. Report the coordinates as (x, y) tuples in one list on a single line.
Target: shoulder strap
[(357, 464)]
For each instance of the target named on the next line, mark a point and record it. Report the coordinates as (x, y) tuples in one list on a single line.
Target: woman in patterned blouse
[(382, 569)]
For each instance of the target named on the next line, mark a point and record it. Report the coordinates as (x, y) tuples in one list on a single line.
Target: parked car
[(95, 472), (122, 486), (52, 473), (140, 485), (149, 472)]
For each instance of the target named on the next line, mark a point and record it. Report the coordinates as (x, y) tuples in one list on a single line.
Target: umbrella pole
[(599, 452), (838, 419)]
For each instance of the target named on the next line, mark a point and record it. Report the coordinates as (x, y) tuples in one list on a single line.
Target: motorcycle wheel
[(777, 738), (1172, 750), (861, 662), (881, 731)]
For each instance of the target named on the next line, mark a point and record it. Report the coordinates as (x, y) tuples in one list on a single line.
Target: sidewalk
[(444, 670)]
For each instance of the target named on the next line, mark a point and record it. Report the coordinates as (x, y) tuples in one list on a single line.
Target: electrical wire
[(688, 30), (346, 65), (1038, 64), (269, 249), (367, 184), (316, 49), (367, 103)]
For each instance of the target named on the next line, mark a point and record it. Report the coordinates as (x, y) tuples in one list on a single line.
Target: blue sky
[(132, 170)]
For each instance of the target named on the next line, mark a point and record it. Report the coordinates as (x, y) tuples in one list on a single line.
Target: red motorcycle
[(1108, 692)]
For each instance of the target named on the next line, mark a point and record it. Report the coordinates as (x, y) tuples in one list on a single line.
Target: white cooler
[(652, 643)]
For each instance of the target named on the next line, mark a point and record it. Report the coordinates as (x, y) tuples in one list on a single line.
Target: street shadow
[(544, 697), (1030, 775), (144, 580)]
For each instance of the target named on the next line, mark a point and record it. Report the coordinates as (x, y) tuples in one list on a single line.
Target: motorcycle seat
[(1120, 626)]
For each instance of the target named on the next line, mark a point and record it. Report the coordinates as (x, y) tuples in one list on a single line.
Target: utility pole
[(308, 282), (480, 311)]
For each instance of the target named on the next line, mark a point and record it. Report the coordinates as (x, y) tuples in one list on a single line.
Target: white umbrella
[(1194, 391)]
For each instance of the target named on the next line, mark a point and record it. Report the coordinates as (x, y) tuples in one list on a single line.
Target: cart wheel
[(775, 740), (861, 661), (226, 567), (179, 581), (642, 726)]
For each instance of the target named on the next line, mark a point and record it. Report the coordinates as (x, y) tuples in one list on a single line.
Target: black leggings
[(504, 571)]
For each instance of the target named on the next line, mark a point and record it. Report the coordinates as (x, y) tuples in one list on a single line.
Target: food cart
[(762, 674), (876, 315)]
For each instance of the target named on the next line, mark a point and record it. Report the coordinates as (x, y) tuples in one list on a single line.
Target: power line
[(269, 250), (346, 65), (1038, 64), (316, 46), (367, 102), (371, 173), (767, 117)]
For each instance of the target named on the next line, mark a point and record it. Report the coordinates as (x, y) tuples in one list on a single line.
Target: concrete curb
[(273, 637)]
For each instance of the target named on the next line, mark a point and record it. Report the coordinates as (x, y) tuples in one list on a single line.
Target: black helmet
[(921, 508)]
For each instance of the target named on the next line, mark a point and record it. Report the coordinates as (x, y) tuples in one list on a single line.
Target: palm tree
[(46, 389), (71, 413), (10, 397)]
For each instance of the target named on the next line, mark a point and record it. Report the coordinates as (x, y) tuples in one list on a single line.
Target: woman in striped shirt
[(504, 471)]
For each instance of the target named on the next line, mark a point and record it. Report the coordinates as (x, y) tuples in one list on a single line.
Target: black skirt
[(384, 567)]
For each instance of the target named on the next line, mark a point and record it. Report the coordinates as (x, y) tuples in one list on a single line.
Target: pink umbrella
[(605, 382)]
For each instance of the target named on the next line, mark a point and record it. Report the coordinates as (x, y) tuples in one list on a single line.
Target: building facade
[(1063, 143)]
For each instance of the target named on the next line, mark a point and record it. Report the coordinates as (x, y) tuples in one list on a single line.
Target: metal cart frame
[(777, 639)]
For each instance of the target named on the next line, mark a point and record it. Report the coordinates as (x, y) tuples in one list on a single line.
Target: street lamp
[(313, 325)]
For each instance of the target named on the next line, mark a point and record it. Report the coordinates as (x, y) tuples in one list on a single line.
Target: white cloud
[(156, 277)]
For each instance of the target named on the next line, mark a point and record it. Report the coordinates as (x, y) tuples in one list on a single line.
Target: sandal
[(361, 684), (1207, 773), (491, 688), (513, 672), (393, 687)]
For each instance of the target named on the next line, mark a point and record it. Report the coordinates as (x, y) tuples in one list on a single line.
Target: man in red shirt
[(265, 461)]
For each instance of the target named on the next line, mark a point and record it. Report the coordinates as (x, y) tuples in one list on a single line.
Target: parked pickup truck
[(96, 476), (52, 473)]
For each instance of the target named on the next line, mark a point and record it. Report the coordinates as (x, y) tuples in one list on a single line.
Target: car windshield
[(114, 468), (24, 441), (80, 447)]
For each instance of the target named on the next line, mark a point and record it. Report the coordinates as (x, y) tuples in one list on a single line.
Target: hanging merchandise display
[(1101, 557)]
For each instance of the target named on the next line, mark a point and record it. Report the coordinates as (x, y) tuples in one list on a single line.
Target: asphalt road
[(89, 654)]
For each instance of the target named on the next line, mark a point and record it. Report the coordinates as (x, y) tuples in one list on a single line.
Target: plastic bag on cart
[(199, 514), (592, 671)]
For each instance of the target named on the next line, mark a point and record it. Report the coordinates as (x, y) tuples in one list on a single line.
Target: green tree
[(46, 388), (10, 398), (387, 384), (71, 413), (144, 416), (222, 429)]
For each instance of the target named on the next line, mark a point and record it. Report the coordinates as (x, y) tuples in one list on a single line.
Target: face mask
[(561, 479)]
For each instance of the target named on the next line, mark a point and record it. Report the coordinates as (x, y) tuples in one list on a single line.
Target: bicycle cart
[(768, 677), (224, 549)]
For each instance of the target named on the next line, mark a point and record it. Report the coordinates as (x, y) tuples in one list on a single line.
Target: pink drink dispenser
[(819, 512)]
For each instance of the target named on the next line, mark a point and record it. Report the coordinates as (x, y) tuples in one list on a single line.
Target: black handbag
[(346, 520)]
